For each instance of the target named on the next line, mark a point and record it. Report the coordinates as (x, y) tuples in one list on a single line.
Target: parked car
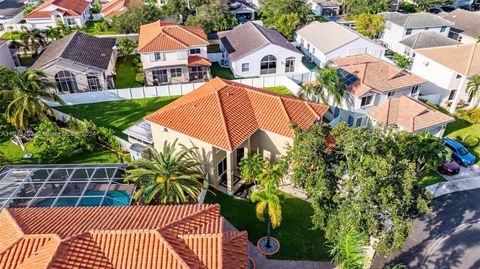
[(460, 154), (451, 168)]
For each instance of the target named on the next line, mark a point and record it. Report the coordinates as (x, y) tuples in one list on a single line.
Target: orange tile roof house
[(225, 120), (169, 237), (118, 7), (69, 12), (172, 53)]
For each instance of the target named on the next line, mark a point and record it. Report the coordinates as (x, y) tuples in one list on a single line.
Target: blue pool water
[(113, 198)]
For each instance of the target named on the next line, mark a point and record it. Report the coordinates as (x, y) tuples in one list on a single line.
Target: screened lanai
[(64, 185)]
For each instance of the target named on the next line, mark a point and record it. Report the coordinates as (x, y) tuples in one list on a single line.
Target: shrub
[(139, 65), (136, 61), (139, 70), (140, 78), (468, 141), (101, 26), (52, 143), (472, 116), (409, 7)]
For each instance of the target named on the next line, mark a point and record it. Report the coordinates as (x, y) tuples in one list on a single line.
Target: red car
[(450, 169)]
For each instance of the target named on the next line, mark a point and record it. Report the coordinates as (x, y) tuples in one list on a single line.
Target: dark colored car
[(451, 168)]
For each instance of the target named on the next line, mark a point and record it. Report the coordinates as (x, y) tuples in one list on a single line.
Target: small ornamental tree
[(369, 25)]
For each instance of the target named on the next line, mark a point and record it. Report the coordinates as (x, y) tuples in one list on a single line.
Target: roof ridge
[(471, 58), (184, 220), (54, 239), (311, 109), (260, 32), (284, 108), (171, 248), (222, 114)]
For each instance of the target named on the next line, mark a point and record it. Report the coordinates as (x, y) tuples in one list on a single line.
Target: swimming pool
[(90, 198)]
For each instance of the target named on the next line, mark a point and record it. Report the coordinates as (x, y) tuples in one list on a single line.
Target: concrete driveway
[(472, 171), (449, 238)]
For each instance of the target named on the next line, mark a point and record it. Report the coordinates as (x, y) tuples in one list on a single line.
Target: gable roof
[(169, 236), (376, 75), (249, 37), (408, 113), (466, 21), (225, 113), (10, 8), (463, 58), (118, 7), (415, 20), (78, 47), (67, 7), (427, 39), (327, 3), (162, 36)]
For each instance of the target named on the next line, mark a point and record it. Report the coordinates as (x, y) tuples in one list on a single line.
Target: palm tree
[(272, 172), (396, 266), (329, 82), (167, 177), (251, 167), (26, 93), (349, 251), (473, 85), (269, 207), (34, 39)]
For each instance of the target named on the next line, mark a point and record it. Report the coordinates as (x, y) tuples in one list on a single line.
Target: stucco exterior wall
[(6, 59)]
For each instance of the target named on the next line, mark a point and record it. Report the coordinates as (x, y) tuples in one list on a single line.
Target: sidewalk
[(467, 179)]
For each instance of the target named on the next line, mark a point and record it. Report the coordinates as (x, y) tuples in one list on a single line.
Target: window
[(459, 38), (195, 51), (70, 22), (367, 100), (458, 76), (358, 122), (93, 82), (66, 82), (268, 65), (290, 64), (197, 72), (308, 46), (407, 51), (313, 50), (350, 120), (414, 90), (245, 67), (389, 25), (176, 72), (391, 94), (222, 169), (452, 95), (409, 31), (182, 55), (158, 56), (443, 29), (301, 42), (160, 76), (427, 28)]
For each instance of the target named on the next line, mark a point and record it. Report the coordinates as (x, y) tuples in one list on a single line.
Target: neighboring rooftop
[(463, 59), (162, 36), (81, 48), (225, 113), (118, 7), (327, 3), (467, 22), (69, 8), (427, 39), (160, 237), (415, 20), (10, 8), (249, 37), (140, 131), (375, 75), (410, 114)]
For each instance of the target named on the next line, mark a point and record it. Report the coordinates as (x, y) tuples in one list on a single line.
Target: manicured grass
[(461, 127), (320, 19), (222, 72), (279, 90), (117, 115), (298, 240), (15, 35), (89, 28), (431, 178), (126, 72)]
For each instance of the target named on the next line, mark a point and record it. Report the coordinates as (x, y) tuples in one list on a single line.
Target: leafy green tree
[(396, 266), (328, 83), (167, 177), (402, 61), (274, 11), (53, 144), (251, 167), (127, 47), (369, 25), (356, 7), (26, 92), (34, 39), (349, 250), (426, 5), (424, 149), (96, 8), (268, 207), (473, 85), (213, 17), (287, 24), (182, 9), (134, 17)]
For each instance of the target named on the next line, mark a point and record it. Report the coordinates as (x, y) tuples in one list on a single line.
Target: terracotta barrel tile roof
[(184, 236), (67, 7), (162, 36), (408, 113), (196, 60), (118, 7), (225, 113)]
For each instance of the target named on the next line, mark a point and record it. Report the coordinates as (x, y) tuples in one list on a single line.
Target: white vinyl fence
[(166, 90)]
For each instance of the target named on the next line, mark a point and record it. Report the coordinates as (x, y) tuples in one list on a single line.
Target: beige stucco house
[(226, 120)]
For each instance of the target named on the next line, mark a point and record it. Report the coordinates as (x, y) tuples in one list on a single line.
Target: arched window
[(93, 82), (66, 82), (268, 65), (290, 64)]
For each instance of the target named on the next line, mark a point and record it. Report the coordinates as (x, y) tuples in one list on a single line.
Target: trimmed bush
[(468, 141), (136, 61), (140, 65), (139, 77), (471, 116)]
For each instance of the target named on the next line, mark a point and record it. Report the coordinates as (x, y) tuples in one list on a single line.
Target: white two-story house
[(376, 89), (251, 50), (73, 13), (448, 69), (400, 26), (467, 25), (325, 41), (172, 53)]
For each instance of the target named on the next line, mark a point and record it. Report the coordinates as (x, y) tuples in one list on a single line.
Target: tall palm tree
[(251, 167), (473, 85), (26, 92), (271, 173), (349, 251), (329, 82), (34, 39), (167, 177), (269, 207)]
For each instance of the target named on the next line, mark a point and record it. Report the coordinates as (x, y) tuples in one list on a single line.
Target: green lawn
[(15, 35), (89, 28), (431, 178), (298, 241), (461, 127), (279, 90), (117, 115), (126, 72), (222, 72)]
